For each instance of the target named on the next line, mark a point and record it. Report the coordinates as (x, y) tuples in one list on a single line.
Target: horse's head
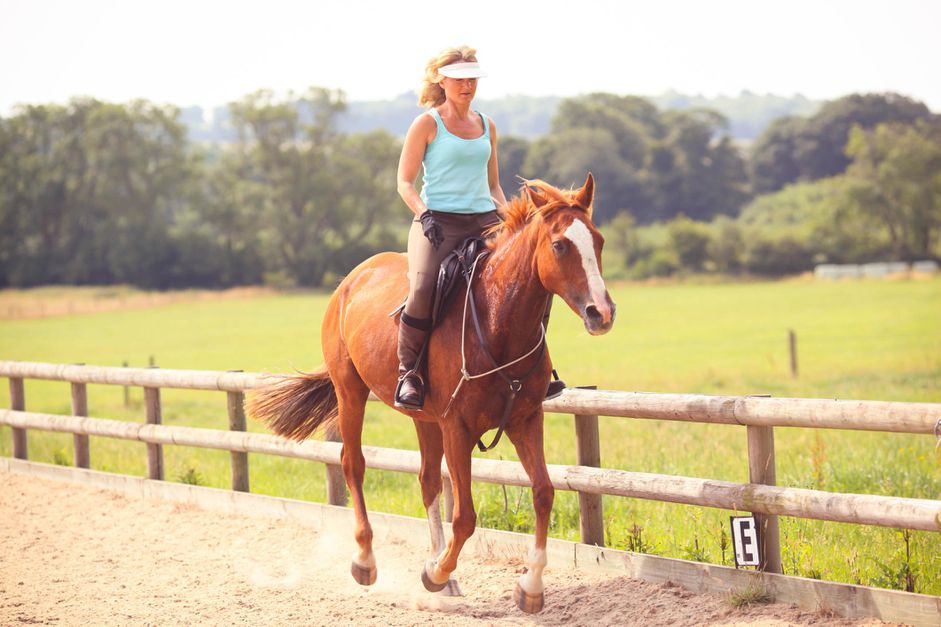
[(568, 252)]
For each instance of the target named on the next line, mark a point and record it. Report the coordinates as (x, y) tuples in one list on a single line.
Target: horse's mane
[(521, 210)]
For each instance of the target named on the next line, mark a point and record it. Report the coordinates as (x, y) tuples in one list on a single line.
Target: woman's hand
[(431, 229)]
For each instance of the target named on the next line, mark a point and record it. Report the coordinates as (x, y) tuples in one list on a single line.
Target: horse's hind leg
[(432, 450), (457, 449), (351, 396)]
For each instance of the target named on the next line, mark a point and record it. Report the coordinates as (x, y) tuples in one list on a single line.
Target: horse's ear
[(586, 194), (535, 197)]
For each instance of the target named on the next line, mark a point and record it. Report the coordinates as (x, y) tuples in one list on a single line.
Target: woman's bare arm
[(493, 172), (419, 135)]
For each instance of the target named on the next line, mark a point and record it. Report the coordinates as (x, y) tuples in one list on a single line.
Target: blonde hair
[(431, 93)]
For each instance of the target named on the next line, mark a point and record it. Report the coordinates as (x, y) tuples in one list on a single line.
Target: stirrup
[(419, 385), (556, 387)]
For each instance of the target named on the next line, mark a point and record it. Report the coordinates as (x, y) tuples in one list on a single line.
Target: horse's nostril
[(592, 313)]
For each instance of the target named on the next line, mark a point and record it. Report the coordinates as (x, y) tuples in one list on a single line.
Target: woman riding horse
[(460, 198), (491, 365), (491, 331)]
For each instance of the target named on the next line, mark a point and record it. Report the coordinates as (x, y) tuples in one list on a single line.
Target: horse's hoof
[(363, 576), (431, 586), (529, 603)]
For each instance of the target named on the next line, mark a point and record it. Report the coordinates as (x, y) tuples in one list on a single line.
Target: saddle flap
[(459, 262)]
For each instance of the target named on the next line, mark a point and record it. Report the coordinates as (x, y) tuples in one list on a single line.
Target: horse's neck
[(515, 298)]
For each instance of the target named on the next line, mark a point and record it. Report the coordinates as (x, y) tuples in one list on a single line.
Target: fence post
[(588, 453), (18, 403), (80, 441), (792, 349), (761, 470), (127, 395), (154, 451), (336, 484), (239, 459)]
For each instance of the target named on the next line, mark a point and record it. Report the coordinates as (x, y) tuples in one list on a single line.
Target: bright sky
[(209, 52)]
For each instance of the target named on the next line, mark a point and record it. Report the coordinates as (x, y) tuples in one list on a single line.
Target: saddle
[(459, 262), (456, 266)]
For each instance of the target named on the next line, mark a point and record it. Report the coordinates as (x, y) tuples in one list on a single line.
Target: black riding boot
[(413, 333), (556, 385)]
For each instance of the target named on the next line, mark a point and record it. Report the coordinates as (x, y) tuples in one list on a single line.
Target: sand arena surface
[(73, 555)]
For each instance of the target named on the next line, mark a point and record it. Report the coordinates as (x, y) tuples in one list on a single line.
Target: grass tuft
[(754, 593), (191, 477)]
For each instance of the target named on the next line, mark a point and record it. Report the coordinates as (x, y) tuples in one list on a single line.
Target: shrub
[(777, 257), (659, 263), (727, 246), (689, 241)]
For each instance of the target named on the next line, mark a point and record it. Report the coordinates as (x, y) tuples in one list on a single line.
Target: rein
[(515, 385)]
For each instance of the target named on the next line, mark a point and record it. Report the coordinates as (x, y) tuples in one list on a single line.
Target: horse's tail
[(294, 406)]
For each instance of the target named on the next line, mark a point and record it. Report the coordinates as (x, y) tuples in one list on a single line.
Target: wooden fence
[(759, 416)]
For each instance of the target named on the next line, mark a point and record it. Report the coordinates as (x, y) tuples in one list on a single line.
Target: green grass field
[(859, 339)]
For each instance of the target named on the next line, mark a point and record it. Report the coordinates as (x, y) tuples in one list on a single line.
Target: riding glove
[(431, 229)]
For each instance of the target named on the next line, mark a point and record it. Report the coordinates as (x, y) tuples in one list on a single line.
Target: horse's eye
[(558, 246)]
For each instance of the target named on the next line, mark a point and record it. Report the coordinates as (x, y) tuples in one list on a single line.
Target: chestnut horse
[(547, 245)]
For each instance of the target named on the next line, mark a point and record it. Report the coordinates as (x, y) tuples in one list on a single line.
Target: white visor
[(469, 69)]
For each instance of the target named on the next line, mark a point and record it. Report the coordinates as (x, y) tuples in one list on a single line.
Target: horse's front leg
[(528, 439), (457, 450), (432, 450)]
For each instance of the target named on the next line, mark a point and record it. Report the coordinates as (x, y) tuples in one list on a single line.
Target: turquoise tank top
[(455, 171)]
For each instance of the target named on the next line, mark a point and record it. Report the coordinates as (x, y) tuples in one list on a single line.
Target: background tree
[(616, 116), (695, 169), (232, 204), (321, 192), (88, 192), (773, 163), (690, 242), (726, 246), (896, 179), (511, 157), (621, 236), (95, 192), (653, 164), (565, 157), (795, 149)]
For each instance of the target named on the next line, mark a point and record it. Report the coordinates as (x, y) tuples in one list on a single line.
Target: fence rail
[(888, 416), (884, 511), (758, 414)]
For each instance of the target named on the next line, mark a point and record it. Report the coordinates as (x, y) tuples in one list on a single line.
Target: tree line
[(98, 193), (529, 117), (858, 181)]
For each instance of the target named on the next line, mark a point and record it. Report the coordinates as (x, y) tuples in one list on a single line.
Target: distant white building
[(873, 270)]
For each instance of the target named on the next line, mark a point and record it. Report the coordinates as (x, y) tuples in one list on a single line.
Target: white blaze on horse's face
[(580, 236), (599, 311)]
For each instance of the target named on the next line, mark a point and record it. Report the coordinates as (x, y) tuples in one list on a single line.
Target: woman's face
[(459, 90)]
